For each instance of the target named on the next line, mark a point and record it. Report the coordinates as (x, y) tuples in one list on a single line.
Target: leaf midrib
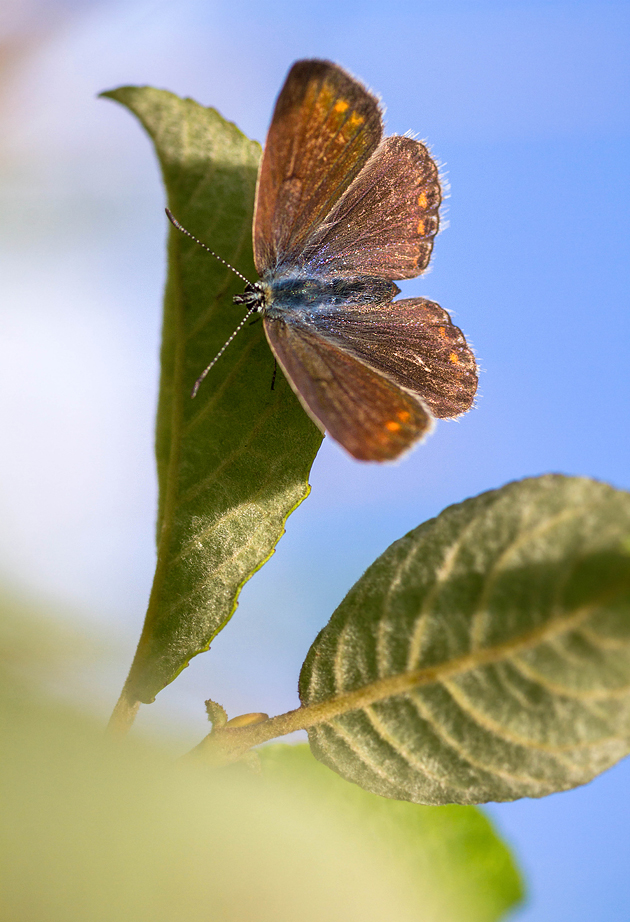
[(307, 716), (398, 684)]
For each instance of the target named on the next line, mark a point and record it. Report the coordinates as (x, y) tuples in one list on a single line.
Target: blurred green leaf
[(487, 653), (456, 866), (234, 462), (99, 832)]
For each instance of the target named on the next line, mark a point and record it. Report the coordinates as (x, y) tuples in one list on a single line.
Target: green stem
[(228, 744), (123, 714)]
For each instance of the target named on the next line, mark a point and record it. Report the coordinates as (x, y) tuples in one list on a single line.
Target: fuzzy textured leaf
[(486, 655), (234, 462), (457, 868)]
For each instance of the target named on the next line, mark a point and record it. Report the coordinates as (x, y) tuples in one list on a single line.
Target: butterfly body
[(293, 296)]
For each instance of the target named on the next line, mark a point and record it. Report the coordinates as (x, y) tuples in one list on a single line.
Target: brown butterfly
[(340, 213)]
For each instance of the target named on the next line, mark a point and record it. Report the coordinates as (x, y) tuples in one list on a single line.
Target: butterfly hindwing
[(324, 128), (370, 416), (387, 219), (414, 343)]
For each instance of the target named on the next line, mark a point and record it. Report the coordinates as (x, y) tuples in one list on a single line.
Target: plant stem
[(227, 744), (123, 715)]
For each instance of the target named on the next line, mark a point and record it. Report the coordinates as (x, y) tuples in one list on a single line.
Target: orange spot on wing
[(423, 201), (421, 228), (454, 358), (404, 416), (355, 120), (341, 105), (442, 331), (392, 425)]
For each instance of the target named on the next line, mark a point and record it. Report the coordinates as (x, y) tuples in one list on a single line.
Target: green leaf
[(111, 833), (486, 655), (233, 463), (450, 858)]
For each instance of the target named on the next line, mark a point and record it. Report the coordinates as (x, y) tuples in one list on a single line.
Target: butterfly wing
[(414, 343), (324, 128), (385, 222), (370, 416), (334, 200)]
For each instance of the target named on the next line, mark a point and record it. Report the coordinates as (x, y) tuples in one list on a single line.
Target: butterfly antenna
[(222, 350), (175, 223)]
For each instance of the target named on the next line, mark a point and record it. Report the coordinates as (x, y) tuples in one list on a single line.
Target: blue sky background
[(527, 105)]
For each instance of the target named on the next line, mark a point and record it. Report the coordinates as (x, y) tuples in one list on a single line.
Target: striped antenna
[(175, 223), (222, 350)]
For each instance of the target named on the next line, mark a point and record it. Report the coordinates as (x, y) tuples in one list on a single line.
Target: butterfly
[(340, 214)]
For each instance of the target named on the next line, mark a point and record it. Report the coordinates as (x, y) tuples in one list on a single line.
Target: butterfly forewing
[(386, 221), (324, 128), (414, 343), (366, 413)]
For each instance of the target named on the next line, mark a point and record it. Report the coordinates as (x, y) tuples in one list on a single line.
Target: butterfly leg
[(275, 369)]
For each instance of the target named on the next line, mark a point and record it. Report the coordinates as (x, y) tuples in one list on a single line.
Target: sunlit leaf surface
[(490, 649), (232, 463)]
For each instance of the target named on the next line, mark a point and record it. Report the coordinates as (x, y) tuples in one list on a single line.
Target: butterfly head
[(254, 297)]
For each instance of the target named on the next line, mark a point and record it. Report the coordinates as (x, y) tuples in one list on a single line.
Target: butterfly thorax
[(291, 294)]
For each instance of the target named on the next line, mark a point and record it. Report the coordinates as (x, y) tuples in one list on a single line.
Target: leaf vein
[(213, 399), (596, 694), (183, 601), (360, 752), (524, 536), (399, 747), (195, 489), (441, 575), (485, 722), (425, 714), (602, 642)]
